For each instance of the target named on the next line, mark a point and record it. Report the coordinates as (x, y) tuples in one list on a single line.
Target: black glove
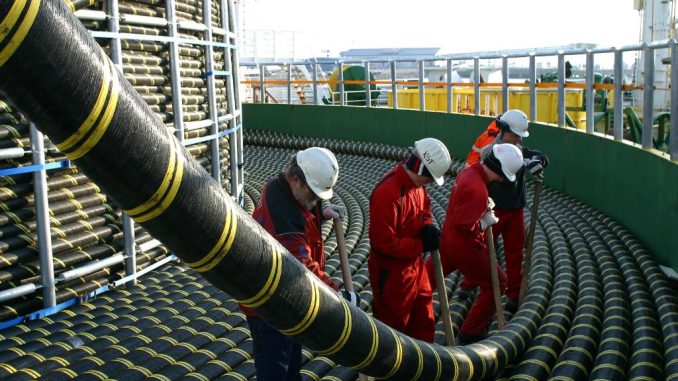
[(535, 167), (351, 296), (430, 236)]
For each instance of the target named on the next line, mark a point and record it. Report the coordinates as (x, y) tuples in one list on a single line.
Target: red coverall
[(483, 139), (463, 245), (402, 293), (296, 228)]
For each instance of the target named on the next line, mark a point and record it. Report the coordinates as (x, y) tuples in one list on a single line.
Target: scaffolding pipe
[(42, 219), (90, 268)]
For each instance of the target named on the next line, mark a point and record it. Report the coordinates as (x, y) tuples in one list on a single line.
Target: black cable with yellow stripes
[(73, 93)]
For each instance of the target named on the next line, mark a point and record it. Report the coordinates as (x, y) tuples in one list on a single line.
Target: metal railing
[(491, 98)]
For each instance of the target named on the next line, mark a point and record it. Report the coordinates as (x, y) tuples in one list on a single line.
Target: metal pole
[(42, 219), (533, 87), (345, 269), (342, 96), (476, 86), (449, 85), (233, 105), (618, 126), (368, 93), (394, 86), (315, 84), (442, 298), (504, 84), (673, 144), (527, 261), (129, 237), (561, 90), (289, 83), (590, 95), (422, 94), (495, 278), (211, 91), (262, 72), (648, 96), (175, 70)]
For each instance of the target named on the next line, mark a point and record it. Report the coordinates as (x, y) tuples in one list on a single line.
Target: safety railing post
[(289, 84), (342, 96), (648, 96), (175, 70), (589, 94), (315, 84), (262, 82), (368, 93), (129, 236), (476, 85), (504, 84), (42, 220), (532, 78), (449, 85), (422, 90), (561, 90), (394, 86), (673, 144), (618, 126)]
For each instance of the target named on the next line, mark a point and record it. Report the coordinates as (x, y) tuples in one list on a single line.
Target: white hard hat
[(435, 157), (510, 158), (517, 122), (321, 170)]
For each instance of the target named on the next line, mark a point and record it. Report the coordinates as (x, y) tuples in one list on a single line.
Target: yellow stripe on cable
[(220, 242), (87, 124), (345, 333), (104, 122), (168, 198), (10, 21), (271, 283), (399, 355), (311, 314), (420, 359), (439, 363), (373, 349), (164, 185)]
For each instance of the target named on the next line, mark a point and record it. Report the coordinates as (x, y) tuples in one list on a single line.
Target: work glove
[(351, 296), (334, 211), (488, 219), (535, 167), (430, 236), (490, 203)]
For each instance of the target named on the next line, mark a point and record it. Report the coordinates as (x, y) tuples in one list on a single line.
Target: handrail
[(500, 102)]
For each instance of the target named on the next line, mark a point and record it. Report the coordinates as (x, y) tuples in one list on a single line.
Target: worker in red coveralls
[(509, 198), (289, 209), (401, 229), (463, 242)]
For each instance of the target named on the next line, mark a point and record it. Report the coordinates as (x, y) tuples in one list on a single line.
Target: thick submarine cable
[(56, 73)]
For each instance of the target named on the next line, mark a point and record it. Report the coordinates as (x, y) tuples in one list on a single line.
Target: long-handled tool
[(345, 270), (495, 278), (442, 297), (529, 242)]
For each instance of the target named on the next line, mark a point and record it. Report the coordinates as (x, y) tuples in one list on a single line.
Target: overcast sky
[(456, 26)]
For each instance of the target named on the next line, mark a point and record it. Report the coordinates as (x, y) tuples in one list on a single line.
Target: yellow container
[(463, 101)]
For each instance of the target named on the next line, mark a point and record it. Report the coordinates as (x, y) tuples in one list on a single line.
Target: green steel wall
[(638, 188)]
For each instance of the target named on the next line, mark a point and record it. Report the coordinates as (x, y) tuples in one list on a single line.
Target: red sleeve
[(297, 245), (383, 222), (470, 206), (427, 216)]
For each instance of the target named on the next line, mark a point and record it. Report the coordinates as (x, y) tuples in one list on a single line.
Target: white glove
[(488, 219), (334, 211), (490, 203), (351, 297)]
